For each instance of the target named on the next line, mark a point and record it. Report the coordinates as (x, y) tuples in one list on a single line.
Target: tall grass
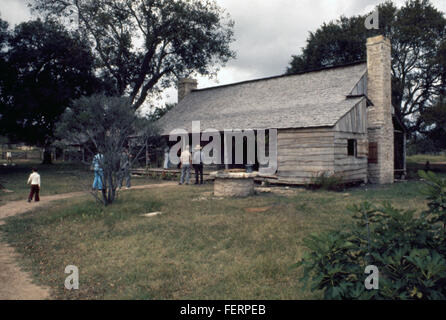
[(422, 158)]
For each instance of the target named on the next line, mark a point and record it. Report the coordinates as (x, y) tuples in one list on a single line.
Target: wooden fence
[(31, 154)]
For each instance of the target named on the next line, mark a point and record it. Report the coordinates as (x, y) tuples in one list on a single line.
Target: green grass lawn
[(60, 177), (422, 158), (198, 248)]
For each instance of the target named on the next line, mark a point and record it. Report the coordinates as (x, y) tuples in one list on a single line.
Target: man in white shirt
[(185, 159), (34, 180), (9, 157), (166, 158)]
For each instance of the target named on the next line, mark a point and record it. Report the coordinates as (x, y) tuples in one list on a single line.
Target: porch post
[(225, 151)]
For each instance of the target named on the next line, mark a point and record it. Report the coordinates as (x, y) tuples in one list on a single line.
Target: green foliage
[(154, 175), (433, 123), (143, 46), (159, 112), (111, 125), (165, 175), (4, 35), (3, 140), (326, 181), (421, 144), (435, 193), (409, 250), (44, 67)]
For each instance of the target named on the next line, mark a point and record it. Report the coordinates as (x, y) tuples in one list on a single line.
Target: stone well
[(233, 184)]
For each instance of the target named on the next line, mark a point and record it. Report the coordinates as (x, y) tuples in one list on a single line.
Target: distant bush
[(156, 176), (167, 176), (326, 181), (421, 146), (408, 248)]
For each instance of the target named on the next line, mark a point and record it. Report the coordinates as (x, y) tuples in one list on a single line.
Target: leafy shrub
[(409, 250), (326, 181), (154, 176), (435, 193), (168, 176)]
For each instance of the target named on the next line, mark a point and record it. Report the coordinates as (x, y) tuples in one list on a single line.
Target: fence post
[(147, 155)]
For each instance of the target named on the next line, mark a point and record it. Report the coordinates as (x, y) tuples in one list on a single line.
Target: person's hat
[(197, 147)]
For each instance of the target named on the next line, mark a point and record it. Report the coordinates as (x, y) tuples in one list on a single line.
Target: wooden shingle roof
[(312, 99)]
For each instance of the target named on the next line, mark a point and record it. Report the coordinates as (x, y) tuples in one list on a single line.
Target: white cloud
[(267, 32), (14, 11)]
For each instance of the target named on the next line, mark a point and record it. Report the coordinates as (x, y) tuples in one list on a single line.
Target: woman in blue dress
[(98, 172)]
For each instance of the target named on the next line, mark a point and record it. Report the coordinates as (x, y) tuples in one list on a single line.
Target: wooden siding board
[(361, 87), (355, 121), (352, 168), (303, 153)]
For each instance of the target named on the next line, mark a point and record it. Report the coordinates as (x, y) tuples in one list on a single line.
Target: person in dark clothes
[(125, 169), (197, 164)]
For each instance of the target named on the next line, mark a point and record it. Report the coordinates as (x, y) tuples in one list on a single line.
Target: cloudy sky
[(267, 32)]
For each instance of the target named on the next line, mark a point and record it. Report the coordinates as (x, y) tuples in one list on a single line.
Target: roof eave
[(353, 96)]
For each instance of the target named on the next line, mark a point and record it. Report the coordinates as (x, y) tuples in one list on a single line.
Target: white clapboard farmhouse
[(334, 120)]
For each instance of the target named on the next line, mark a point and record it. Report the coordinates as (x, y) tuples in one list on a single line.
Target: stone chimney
[(379, 116), (185, 86)]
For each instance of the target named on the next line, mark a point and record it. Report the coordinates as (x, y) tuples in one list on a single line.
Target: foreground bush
[(408, 248), (326, 181)]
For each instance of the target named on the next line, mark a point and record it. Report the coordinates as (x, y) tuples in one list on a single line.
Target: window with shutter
[(362, 148)]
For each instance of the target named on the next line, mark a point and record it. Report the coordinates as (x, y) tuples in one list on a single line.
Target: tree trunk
[(47, 156), (104, 196), (111, 189)]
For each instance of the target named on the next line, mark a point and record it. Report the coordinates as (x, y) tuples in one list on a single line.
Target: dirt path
[(14, 283)]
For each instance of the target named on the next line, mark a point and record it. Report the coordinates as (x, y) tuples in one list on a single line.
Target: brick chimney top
[(185, 86), (378, 39)]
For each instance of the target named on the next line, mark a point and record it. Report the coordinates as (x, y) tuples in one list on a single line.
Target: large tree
[(4, 35), (433, 124), (159, 111), (442, 63), (143, 46), (416, 30), (46, 67)]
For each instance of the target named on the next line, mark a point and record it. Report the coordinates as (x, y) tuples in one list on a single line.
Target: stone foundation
[(383, 171), (233, 184)]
